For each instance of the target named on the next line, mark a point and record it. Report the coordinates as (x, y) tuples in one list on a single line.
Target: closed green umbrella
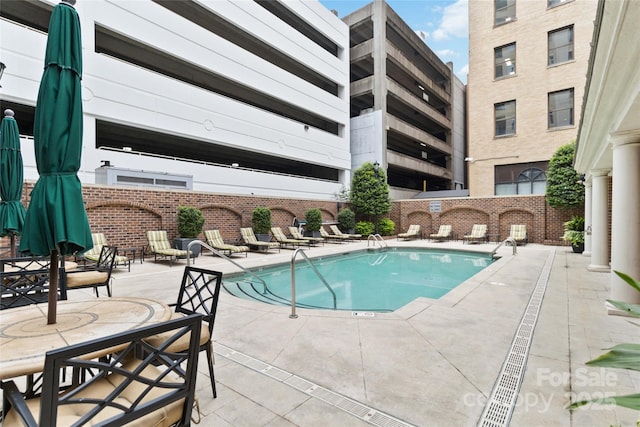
[(11, 210), (56, 221)]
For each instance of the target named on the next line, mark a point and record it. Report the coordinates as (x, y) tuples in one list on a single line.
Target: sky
[(442, 24)]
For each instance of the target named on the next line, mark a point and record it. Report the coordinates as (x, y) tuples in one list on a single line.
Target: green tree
[(370, 192), (563, 187)]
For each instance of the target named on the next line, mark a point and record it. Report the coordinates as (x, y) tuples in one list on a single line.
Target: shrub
[(574, 230), (190, 221), (364, 227), (346, 220), (261, 220), (314, 219), (386, 227)]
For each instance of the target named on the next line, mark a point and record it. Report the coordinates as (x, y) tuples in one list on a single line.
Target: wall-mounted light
[(581, 179), (376, 168), (105, 163), (2, 67), (306, 127)]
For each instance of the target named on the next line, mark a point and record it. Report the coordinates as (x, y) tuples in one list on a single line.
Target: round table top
[(25, 336)]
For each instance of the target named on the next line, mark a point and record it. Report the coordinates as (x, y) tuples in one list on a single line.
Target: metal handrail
[(220, 254), (377, 238), (293, 314), (510, 240)]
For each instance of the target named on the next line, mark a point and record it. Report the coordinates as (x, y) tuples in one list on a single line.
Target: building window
[(560, 45), (505, 60), (505, 11), (561, 108), (522, 178), (553, 3), (505, 113)]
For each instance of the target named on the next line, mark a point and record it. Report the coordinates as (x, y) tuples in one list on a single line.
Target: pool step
[(255, 291)]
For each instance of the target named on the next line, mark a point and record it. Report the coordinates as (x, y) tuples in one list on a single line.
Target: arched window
[(532, 181)]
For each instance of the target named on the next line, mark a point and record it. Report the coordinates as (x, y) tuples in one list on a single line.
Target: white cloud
[(455, 21), (446, 53)]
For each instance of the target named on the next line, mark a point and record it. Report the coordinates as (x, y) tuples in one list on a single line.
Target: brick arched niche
[(422, 218), (223, 218), (516, 216), (123, 223), (283, 217), (462, 219), (327, 215)]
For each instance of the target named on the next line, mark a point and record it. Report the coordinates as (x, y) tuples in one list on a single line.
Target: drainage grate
[(497, 412), (365, 413)]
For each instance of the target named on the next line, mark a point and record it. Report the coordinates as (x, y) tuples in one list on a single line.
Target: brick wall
[(124, 214)]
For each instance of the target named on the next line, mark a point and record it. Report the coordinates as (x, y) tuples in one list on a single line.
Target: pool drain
[(357, 409), (499, 407)]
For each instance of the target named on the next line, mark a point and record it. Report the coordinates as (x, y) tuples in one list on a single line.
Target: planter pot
[(263, 237), (312, 233), (182, 243), (578, 248)]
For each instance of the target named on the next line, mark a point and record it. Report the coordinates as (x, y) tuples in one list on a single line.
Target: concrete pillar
[(599, 223), (587, 219), (625, 217)]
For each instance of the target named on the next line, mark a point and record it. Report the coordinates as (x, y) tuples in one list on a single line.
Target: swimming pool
[(363, 280)]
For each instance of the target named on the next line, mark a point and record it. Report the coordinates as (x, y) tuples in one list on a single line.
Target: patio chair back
[(156, 390), (23, 281), (92, 276)]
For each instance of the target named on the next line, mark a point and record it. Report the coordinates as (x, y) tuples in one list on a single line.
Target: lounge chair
[(444, 233), (337, 232), (478, 234), (296, 234), (254, 244), (160, 247), (93, 254), (332, 237), (214, 239), (412, 233), (286, 242), (519, 234)]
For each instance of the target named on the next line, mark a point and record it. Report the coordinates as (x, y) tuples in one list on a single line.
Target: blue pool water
[(364, 280)]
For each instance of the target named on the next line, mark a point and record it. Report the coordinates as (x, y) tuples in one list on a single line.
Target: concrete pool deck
[(431, 363)]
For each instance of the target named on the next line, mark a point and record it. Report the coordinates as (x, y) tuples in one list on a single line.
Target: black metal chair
[(94, 276), (24, 281), (199, 293), (119, 389)]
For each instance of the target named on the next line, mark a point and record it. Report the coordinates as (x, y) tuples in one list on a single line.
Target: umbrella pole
[(13, 245), (53, 288)]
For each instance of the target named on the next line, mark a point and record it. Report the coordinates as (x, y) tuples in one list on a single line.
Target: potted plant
[(347, 221), (190, 223), (261, 223), (314, 222), (574, 233)]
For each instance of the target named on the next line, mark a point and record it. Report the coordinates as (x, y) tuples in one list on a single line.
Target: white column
[(599, 223), (625, 215), (587, 219)]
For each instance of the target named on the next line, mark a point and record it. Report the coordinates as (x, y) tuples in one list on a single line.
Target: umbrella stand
[(53, 288)]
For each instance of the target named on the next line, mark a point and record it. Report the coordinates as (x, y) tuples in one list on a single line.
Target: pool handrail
[(377, 238), (220, 254), (293, 314), (510, 240)]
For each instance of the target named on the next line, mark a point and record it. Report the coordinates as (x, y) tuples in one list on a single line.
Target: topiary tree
[(190, 221), (261, 220), (370, 192), (346, 220), (313, 217), (563, 187)]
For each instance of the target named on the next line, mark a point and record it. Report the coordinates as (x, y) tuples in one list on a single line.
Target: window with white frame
[(505, 60), (553, 3), (505, 118), (561, 108), (520, 178), (560, 45), (505, 11)]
